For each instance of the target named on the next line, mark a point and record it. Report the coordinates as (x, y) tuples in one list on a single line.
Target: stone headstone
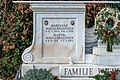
[(58, 35)]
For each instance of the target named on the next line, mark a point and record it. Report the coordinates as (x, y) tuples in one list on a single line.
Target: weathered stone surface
[(71, 72), (103, 57), (59, 33)]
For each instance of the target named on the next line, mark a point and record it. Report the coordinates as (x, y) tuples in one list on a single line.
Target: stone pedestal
[(102, 57)]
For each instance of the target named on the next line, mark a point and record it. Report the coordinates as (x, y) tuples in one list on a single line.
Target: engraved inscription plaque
[(59, 37)]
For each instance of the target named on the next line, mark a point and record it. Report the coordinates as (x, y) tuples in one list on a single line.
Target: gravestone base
[(70, 72), (103, 57), (56, 69)]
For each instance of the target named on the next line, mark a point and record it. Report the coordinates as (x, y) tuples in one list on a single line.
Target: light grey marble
[(58, 33), (59, 70), (102, 57)]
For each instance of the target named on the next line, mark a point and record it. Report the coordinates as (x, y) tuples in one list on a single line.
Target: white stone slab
[(102, 57), (107, 60), (59, 33), (73, 72), (102, 51), (82, 70)]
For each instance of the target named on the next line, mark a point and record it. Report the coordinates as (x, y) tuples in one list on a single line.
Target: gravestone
[(58, 34), (59, 42)]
